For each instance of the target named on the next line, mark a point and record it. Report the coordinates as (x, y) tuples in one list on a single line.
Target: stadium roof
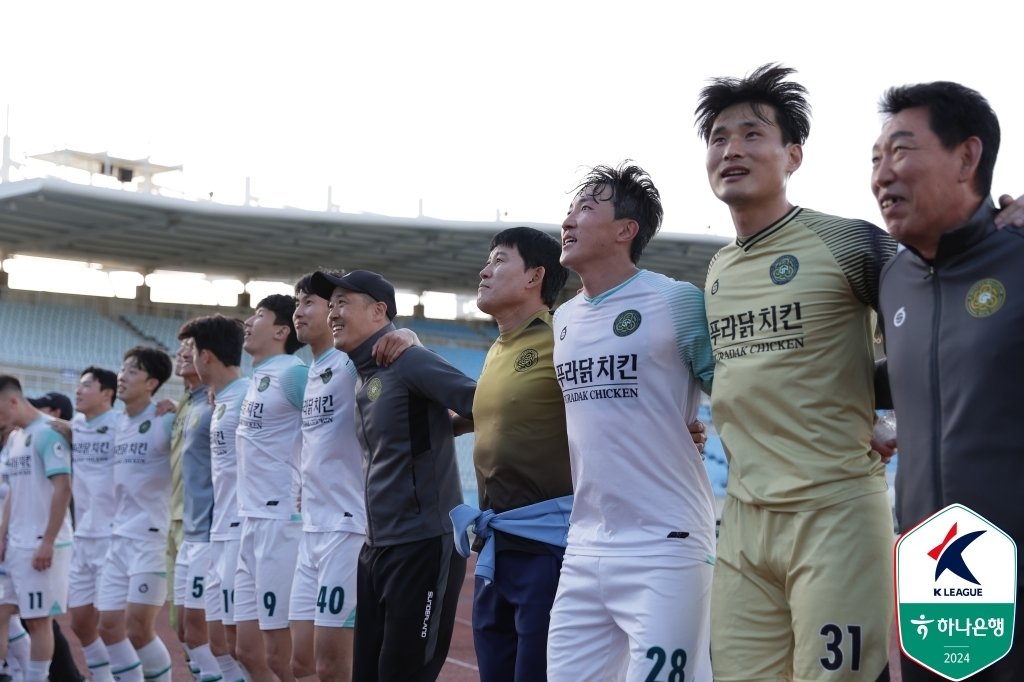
[(142, 232)]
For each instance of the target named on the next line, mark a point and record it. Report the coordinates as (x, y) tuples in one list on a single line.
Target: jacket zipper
[(936, 397), (366, 477)]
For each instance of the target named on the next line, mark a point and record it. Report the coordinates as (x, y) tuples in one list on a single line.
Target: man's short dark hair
[(955, 113), (283, 307), (766, 85), (537, 249), (8, 381), (220, 335), (105, 378), (153, 361), (634, 196)]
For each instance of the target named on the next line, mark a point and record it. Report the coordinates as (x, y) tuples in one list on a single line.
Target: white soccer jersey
[(92, 452), (628, 363), (142, 475), (227, 524), (36, 453), (269, 440), (332, 459)]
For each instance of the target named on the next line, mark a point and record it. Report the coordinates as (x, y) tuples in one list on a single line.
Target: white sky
[(476, 107)]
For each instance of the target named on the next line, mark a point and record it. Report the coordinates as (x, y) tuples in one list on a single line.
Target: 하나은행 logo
[(956, 591)]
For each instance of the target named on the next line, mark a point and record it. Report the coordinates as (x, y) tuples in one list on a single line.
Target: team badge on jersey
[(561, 337), (264, 384), (144, 426), (626, 323), (784, 269), (527, 359), (327, 374), (103, 429), (220, 410), (28, 440), (374, 388), (985, 297), (956, 588), (714, 287)]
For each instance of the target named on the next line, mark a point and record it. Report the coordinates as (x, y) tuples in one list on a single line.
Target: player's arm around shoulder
[(692, 337), (432, 376)]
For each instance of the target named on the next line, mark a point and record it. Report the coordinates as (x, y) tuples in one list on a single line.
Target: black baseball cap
[(362, 281), (56, 401)]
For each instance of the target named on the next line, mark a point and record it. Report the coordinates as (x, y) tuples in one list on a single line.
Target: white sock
[(98, 661), (37, 671), (19, 644), (205, 663), (156, 661), (125, 665), (230, 669), (193, 667)]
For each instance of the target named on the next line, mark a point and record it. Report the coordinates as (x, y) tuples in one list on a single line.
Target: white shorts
[(7, 594), (266, 567), (38, 594), (647, 618), (191, 567), (324, 589), (135, 571), (220, 586), (87, 559)]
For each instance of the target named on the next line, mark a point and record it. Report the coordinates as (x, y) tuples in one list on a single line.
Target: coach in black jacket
[(409, 575), (952, 304)]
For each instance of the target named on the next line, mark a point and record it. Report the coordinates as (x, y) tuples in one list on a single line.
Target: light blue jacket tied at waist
[(546, 521)]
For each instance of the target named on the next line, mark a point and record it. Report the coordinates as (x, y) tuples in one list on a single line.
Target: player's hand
[(388, 347), (1012, 212), (885, 448), (62, 427), (43, 558), (699, 434), (166, 406)]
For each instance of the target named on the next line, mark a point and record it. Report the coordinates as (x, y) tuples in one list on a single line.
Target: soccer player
[(217, 356), (133, 585), (521, 457), (92, 451), (269, 444), (322, 608), (409, 574), (953, 314), (35, 533), (15, 646), (631, 356), (192, 427), (803, 580)]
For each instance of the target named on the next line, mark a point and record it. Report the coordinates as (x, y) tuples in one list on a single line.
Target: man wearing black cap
[(54, 404), (409, 574)]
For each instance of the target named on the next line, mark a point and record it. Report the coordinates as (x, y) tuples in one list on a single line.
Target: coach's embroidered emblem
[(374, 388), (784, 269), (264, 384), (527, 359), (326, 375), (985, 297), (900, 317), (626, 323), (144, 426)]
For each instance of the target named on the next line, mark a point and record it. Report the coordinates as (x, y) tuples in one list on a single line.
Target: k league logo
[(956, 588)]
